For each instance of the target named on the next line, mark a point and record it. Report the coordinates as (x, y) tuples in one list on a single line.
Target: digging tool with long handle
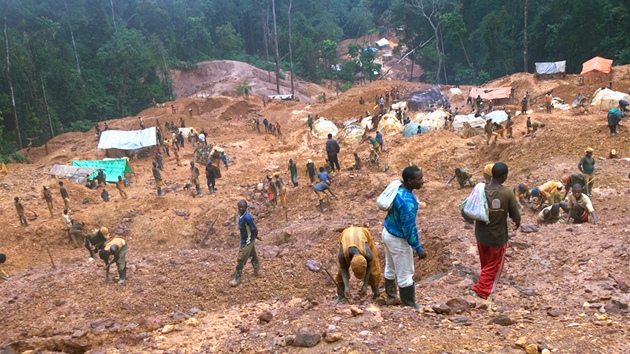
[(203, 240), (107, 272)]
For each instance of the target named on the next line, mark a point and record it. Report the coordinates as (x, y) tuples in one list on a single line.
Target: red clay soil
[(565, 287)]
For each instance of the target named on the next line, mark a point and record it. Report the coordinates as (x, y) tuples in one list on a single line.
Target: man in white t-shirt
[(202, 138), (580, 207)]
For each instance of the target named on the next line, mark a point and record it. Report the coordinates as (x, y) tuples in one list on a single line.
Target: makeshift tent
[(112, 168), (120, 143), (455, 94), (596, 70), (498, 95), (322, 127), (367, 123), (389, 125), (432, 121), (606, 99), (470, 119), (423, 99), (352, 133), (496, 116), (383, 42), (412, 129), (73, 173), (551, 69), (402, 105), (186, 132)]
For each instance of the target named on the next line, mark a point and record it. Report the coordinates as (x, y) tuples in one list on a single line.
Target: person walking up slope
[(400, 238), (492, 237)]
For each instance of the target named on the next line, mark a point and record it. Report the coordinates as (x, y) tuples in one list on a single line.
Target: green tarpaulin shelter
[(112, 168)]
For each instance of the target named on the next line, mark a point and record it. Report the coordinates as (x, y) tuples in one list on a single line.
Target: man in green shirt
[(492, 237), (587, 167)]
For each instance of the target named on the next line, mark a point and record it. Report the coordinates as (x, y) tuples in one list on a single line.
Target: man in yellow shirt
[(548, 192), (118, 248), (357, 252)]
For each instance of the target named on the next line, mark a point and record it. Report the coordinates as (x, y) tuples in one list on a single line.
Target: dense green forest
[(69, 63)]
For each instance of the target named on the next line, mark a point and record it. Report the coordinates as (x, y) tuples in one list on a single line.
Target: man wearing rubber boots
[(118, 248), (249, 234), (357, 252), (400, 238)]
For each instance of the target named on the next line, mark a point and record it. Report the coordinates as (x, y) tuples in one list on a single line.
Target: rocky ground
[(565, 287)]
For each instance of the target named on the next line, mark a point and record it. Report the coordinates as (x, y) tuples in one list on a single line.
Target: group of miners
[(577, 186)]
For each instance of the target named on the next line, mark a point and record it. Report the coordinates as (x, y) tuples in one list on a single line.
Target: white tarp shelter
[(125, 143), (383, 42), (475, 122), (606, 99), (455, 93), (352, 133), (434, 120), (322, 127), (496, 116), (550, 68)]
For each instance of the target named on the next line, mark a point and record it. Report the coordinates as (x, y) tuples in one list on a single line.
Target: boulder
[(306, 338)]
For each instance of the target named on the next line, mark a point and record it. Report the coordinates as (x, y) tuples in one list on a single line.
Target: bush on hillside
[(82, 125)]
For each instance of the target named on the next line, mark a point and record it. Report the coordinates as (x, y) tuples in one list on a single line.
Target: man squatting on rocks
[(492, 237), (400, 238), (249, 234), (357, 251)]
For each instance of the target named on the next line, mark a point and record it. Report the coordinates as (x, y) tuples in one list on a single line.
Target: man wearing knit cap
[(357, 252), (487, 172), (587, 167)]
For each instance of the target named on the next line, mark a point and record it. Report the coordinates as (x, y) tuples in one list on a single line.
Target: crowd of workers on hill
[(357, 250)]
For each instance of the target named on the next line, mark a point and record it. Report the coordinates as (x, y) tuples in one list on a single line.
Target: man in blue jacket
[(247, 250), (400, 238)]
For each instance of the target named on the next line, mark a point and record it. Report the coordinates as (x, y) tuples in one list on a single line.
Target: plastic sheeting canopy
[(557, 67), (322, 127), (127, 140)]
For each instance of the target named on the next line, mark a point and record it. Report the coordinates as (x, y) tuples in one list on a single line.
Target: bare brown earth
[(562, 288)]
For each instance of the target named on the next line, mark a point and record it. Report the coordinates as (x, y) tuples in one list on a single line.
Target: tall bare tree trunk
[(291, 50), (111, 2), (8, 76), (525, 35), (52, 132), (74, 44), (275, 39), (444, 64)]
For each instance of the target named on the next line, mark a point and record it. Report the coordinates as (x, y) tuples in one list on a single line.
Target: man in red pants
[(492, 237)]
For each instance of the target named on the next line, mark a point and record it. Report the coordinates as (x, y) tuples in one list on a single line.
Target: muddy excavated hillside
[(565, 287)]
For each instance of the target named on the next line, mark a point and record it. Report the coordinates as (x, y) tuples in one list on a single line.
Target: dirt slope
[(557, 285)]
